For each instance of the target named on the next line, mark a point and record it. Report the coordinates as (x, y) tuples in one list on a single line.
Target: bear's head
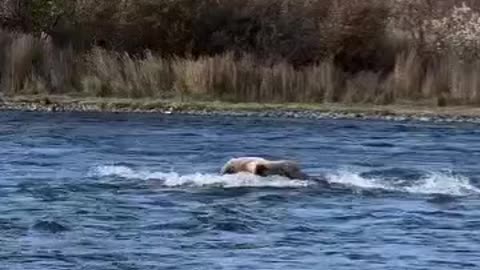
[(262, 167)]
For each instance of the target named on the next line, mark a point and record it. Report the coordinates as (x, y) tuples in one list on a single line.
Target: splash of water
[(431, 183), (173, 179)]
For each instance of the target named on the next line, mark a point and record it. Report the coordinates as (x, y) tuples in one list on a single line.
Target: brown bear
[(262, 167)]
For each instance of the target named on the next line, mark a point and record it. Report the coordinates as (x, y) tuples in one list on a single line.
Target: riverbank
[(405, 112)]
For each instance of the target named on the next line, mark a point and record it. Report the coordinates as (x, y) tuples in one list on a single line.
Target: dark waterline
[(133, 191)]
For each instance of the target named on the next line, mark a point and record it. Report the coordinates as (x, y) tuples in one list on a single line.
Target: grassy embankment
[(399, 56), (82, 104)]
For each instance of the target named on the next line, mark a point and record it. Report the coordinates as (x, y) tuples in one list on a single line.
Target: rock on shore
[(277, 112)]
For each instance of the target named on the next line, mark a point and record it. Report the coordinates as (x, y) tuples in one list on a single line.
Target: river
[(137, 191)]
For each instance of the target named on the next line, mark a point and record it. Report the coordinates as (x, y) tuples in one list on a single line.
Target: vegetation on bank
[(304, 51)]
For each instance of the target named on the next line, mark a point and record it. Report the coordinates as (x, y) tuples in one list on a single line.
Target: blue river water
[(132, 191)]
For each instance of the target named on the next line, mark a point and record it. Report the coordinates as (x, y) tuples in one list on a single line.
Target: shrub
[(458, 32)]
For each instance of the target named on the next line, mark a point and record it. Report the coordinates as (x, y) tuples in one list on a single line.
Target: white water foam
[(432, 183), (173, 179)]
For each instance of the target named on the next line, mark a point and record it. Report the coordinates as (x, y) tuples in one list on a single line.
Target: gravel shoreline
[(167, 109)]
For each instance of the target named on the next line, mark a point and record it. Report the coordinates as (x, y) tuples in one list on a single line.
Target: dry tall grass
[(31, 66)]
